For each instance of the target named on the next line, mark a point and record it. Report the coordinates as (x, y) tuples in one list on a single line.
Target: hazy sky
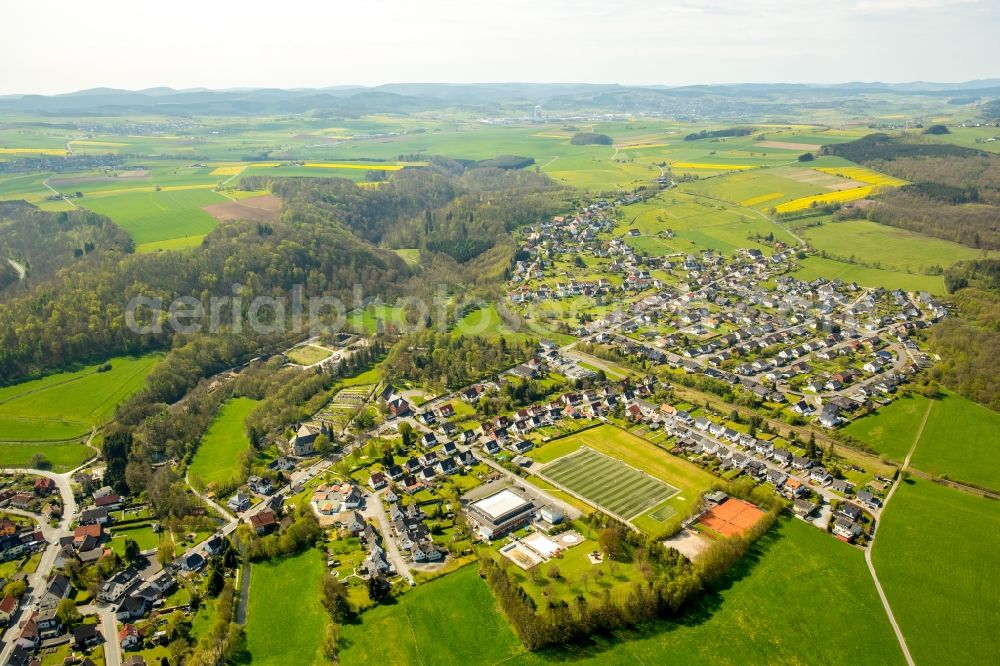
[(65, 45)]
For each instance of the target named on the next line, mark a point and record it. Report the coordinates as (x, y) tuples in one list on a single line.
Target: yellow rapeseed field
[(228, 170), (105, 144), (366, 167), (33, 151), (830, 197), (640, 146), (864, 175), (715, 167), (753, 201)]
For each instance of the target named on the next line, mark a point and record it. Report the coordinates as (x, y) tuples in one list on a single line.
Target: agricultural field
[(607, 483), (674, 222), (893, 428), (409, 631), (935, 555), (152, 218), (218, 456), (867, 242), (285, 620), (68, 405), (962, 441), (814, 267), (958, 441), (646, 457)]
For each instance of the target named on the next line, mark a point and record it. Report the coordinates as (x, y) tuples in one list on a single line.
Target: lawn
[(451, 620), (285, 620), (63, 456), (644, 456), (307, 354), (151, 217), (607, 483), (892, 429), (935, 554), (142, 534), (67, 405), (961, 440), (218, 455)]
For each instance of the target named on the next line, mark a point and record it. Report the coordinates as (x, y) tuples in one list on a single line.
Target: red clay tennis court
[(732, 517)]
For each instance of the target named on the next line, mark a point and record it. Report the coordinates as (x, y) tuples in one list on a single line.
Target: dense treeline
[(507, 162), (453, 361), (992, 109), (969, 346), (489, 205), (976, 176), (669, 580), (44, 242), (369, 213), (80, 313), (8, 275), (719, 133), (983, 273), (885, 147), (457, 209), (591, 138), (974, 226)]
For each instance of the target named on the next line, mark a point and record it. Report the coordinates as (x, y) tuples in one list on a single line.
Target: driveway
[(374, 509)]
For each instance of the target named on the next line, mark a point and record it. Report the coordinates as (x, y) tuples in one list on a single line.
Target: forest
[(450, 361), (954, 195), (969, 344), (44, 242), (325, 242)]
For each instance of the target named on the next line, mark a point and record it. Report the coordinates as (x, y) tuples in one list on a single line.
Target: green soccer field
[(608, 483)]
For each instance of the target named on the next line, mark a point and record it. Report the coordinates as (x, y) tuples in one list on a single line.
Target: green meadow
[(868, 242), (961, 441), (152, 217), (285, 619), (62, 456), (697, 224), (68, 405), (814, 267), (218, 456), (892, 429), (452, 620), (935, 554)]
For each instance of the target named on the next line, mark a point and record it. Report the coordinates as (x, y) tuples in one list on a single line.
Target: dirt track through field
[(871, 542)]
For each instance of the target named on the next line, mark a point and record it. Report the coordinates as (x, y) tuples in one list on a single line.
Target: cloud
[(891, 6)]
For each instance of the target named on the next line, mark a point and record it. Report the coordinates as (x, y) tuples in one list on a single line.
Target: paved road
[(374, 509), (37, 580), (109, 629)]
